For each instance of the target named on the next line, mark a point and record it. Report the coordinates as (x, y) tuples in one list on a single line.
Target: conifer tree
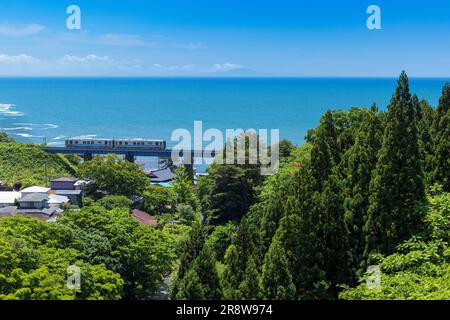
[(425, 118), (355, 171), (397, 187), (276, 277), (298, 235), (190, 249), (231, 273), (325, 151), (201, 281), (334, 235), (441, 130), (250, 287)]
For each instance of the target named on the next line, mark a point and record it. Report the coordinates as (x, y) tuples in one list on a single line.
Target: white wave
[(59, 138), (17, 128), (27, 135), (38, 126), (5, 109)]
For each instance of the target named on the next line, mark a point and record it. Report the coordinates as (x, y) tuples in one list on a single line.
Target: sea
[(50, 110)]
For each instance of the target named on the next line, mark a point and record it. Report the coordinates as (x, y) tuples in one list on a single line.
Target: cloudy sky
[(224, 37)]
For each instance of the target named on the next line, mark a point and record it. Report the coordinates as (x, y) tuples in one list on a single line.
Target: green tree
[(355, 171), (325, 151), (184, 189), (397, 187), (230, 194), (158, 199), (5, 138), (190, 249), (202, 277), (114, 175), (112, 202), (141, 255), (441, 130), (276, 277), (250, 287)]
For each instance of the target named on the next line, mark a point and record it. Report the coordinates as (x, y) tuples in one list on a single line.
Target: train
[(116, 143)]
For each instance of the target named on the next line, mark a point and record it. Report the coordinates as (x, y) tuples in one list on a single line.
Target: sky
[(225, 38)]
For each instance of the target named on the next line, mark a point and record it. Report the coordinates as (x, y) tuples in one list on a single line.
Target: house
[(63, 183), (57, 200), (75, 196), (9, 198), (33, 201), (36, 205), (35, 189), (143, 217), (161, 175)]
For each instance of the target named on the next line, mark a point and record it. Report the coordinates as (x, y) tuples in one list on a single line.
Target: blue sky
[(224, 37)]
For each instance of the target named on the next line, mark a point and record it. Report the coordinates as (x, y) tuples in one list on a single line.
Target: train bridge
[(130, 153)]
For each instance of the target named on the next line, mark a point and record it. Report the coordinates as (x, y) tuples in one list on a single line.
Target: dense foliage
[(30, 165), (352, 197), (114, 175)]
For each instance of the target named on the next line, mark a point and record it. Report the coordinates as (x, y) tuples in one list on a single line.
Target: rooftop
[(67, 192), (9, 196), (34, 197), (162, 175), (62, 179), (35, 189), (143, 217)]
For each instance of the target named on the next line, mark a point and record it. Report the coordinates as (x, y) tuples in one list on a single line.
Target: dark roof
[(143, 217), (34, 197), (65, 180), (163, 175), (42, 214)]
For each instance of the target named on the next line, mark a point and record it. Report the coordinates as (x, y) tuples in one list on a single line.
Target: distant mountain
[(241, 72)]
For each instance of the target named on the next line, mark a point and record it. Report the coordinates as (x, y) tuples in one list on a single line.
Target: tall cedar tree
[(190, 249), (202, 280), (441, 130), (250, 287), (425, 118), (298, 234), (355, 170), (397, 187), (245, 246), (325, 151), (276, 277), (334, 235)]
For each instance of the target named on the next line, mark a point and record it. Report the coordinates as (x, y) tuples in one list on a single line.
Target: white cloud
[(87, 59), (21, 58), (226, 67), (28, 30)]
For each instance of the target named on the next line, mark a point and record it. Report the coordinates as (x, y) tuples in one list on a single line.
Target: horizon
[(224, 39)]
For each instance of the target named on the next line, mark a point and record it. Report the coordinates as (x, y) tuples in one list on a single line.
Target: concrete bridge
[(130, 153)]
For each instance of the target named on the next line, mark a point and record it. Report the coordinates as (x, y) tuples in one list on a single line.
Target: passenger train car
[(116, 143)]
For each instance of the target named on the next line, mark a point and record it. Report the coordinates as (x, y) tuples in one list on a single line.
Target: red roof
[(143, 217)]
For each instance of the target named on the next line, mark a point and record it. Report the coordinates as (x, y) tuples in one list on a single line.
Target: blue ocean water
[(51, 109)]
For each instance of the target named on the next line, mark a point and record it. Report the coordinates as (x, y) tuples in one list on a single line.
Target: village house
[(9, 198)]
